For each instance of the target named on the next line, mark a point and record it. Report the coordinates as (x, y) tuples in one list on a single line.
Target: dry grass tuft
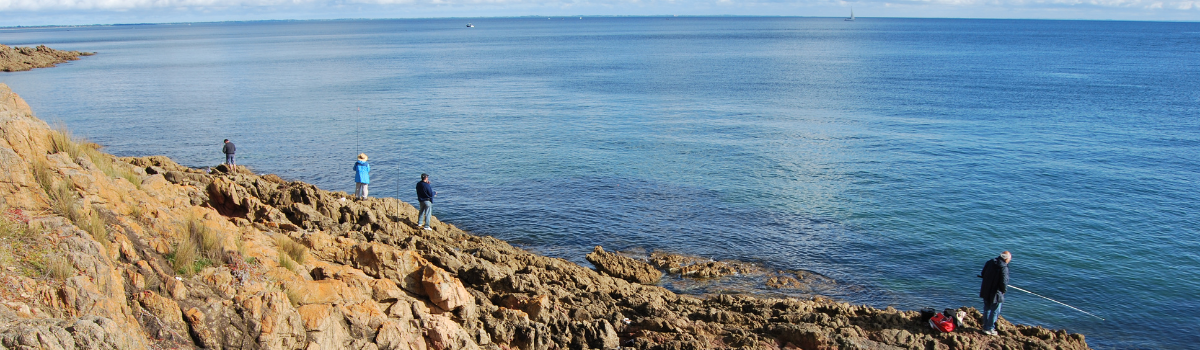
[(286, 261), (43, 176), (136, 212), (58, 267), (93, 224), (200, 248), (183, 259), (63, 201), (293, 250), (29, 250), (207, 240), (61, 140)]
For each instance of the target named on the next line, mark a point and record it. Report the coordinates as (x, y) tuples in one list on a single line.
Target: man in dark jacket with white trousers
[(995, 284)]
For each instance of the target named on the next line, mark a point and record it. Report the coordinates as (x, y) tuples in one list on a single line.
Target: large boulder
[(444, 290)]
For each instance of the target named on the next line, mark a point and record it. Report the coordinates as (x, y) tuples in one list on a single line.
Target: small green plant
[(295, 251)]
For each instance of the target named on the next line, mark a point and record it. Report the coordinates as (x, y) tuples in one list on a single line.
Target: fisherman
[(425, 195), (362, 176), (992, 289), (229, 150)]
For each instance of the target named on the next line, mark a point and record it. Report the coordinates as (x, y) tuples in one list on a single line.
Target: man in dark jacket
[(995, 284), (229, 150), (425, 195)]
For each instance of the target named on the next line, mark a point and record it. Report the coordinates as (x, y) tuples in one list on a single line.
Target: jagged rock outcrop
[(140, 253), (15, 59), (622, 267)]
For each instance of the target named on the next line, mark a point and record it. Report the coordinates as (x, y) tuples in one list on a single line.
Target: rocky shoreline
[(143, 253), (16, 59)]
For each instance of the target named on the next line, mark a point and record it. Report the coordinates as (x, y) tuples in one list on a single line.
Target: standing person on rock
[(425, 195), (229, 150), (362, 176), (992, 289)]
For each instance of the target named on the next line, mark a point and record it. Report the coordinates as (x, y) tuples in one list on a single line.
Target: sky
[(85, 12)]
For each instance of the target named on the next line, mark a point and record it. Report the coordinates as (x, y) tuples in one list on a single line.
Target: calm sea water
[(894, 155)]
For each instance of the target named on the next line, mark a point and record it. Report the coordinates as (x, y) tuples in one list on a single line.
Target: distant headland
[(16, 59)]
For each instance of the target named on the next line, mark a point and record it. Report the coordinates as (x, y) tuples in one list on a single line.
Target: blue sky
[(74, 12)]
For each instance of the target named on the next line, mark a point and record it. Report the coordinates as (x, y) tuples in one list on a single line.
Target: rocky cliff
[(142, 253), (15, 59)]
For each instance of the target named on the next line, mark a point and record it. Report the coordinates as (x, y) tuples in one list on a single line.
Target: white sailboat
[(851, 14)]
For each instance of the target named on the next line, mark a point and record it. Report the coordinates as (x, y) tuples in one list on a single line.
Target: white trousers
[(360, 190)]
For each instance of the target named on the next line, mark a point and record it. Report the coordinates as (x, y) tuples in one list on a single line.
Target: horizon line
[(564, 16)]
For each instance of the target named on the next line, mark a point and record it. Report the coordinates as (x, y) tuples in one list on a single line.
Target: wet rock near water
[(698, 267), (157, 255)]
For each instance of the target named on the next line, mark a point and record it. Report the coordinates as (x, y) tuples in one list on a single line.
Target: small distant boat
[(470, 25), (851, 15)]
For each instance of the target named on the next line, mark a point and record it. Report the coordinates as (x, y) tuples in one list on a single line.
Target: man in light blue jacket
[(362, 176)]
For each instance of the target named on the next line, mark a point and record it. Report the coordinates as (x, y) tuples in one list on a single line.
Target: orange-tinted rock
[(444, 290), (443, 334), (400, 335)]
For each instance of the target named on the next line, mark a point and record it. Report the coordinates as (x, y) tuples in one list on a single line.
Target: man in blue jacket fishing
[(425, 195), (362, 176), (992, 289)]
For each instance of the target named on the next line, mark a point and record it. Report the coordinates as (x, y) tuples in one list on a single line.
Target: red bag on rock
[(942, 323)]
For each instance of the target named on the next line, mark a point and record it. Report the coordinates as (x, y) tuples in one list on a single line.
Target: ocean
[(895, 156)]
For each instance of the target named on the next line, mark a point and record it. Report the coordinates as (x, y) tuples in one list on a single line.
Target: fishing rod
[(1063, 304)]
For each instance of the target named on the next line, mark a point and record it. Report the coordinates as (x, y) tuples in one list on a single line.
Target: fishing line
[(357, 132), (1063, 304)]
